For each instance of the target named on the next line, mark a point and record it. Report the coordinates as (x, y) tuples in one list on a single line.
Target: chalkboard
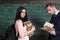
[(37, 14)]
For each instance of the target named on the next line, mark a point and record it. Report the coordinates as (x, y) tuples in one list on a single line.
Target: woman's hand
[(32, 33), (33, 28)]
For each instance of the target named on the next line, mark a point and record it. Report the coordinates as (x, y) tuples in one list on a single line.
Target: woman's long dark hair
[(18, 15)]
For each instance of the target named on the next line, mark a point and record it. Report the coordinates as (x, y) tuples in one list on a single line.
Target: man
[(55, 19)]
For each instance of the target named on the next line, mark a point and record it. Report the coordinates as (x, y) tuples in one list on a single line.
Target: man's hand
[(52, 32)]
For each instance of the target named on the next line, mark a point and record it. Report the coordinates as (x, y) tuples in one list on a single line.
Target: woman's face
[(23, 13)]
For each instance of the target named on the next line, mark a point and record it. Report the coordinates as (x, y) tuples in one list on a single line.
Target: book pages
[(48, 26)]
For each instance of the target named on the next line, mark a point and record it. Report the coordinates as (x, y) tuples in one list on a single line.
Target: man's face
[(50, 10)]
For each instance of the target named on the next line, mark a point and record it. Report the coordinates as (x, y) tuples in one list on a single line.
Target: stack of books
[(28, 24), (29, 27)]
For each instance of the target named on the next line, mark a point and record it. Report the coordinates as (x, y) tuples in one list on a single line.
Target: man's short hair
[(50, 4)]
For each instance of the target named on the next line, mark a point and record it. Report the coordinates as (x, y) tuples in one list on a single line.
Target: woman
[(21, 32)]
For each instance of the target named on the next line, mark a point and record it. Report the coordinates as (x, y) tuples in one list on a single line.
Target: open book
[(47, 26)]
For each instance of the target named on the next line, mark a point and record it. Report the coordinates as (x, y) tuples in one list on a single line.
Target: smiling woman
[(18, 31), (21, 29)]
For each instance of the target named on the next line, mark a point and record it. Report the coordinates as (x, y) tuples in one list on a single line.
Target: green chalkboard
[(36, 13)]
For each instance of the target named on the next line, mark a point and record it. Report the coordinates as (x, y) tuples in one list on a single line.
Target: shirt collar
[(57, 12)]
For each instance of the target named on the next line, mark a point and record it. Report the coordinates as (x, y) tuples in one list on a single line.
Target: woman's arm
[(20, 28)]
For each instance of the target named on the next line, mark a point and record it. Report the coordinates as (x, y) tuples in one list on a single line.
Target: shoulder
[(19, 21), (59, 13)]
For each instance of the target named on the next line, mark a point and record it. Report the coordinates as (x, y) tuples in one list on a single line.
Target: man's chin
[(52, 14)]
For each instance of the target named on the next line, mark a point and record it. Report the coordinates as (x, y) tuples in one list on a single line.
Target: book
[(28, 24), (29, 27), (48, 26)]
